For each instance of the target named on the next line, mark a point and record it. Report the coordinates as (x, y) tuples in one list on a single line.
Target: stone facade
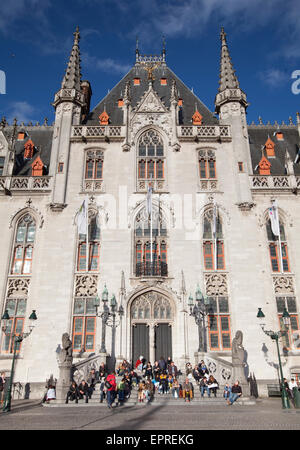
[(245, 277)]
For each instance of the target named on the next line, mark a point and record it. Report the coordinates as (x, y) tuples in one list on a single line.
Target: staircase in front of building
[(158, 399)]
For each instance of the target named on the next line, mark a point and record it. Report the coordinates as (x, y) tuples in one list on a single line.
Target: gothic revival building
[(208, 241)]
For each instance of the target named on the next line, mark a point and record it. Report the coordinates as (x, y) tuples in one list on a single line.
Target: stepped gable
[(259, 134), (189, 100), (41, 137)]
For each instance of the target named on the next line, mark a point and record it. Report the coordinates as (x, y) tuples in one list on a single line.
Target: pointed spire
[(228, 78), (72, 78), (229, 87)]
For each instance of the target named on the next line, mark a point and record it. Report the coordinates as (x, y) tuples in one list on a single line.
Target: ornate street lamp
[(16, 340), (108, 316), (199, 310), (275, 335)]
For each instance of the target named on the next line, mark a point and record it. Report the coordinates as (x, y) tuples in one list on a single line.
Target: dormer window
[(197, 118), (136, 81), (21, 136), (270, 147), (264, 166), (120, 102), (29, 149), (279, 136), (104, 118), (37, 167), (163, 82)]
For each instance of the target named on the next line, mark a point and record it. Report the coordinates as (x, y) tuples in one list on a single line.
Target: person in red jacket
[(111, 387)]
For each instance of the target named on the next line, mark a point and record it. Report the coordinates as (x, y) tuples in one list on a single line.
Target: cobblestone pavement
[(265, 415)]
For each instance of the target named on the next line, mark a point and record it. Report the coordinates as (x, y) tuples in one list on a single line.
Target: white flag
[(214, 221), (274, 219), (82, 218), (149, 200)]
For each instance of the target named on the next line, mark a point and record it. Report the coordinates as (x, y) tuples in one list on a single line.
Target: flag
[(214, 221), (149, 200), (82, 218), (274, 219)]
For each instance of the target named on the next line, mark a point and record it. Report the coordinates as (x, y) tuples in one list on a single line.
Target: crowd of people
[(161, 378)]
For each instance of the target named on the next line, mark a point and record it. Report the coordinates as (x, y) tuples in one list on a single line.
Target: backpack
[(107, 384)]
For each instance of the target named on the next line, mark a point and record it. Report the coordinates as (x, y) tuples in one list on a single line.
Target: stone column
[(64, 380)]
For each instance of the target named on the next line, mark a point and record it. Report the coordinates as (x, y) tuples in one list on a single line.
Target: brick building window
[(151, 159), (93, 246), (16, 309)]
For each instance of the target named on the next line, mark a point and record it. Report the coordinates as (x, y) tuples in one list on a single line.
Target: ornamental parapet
[(41, 184), (276, 182), (103, 133), (205, 133)]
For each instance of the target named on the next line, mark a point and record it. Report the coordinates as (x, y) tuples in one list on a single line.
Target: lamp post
[(275, 335), (109, 317), (199, 310), (16, 339)]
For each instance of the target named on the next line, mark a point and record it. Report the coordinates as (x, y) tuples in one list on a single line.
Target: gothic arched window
[(278, 253), (145, 265), (23, 246), (93, 246), (213, 241), (151, 157)]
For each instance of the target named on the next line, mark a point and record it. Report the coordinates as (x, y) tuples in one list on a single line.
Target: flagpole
[(279, 238), (87, 235), (215, 233)]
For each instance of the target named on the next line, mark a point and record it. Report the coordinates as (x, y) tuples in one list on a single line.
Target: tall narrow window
[(278, 249), (291, 335), (84, 325), (219, 324), (94, 165), (16, 309), (151, 159), (144, 264), (23, 246), (207, 164), (213, 242), (93, 247)]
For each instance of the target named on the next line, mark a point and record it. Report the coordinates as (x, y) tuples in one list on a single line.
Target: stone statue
[(238, 352), (66, 354)]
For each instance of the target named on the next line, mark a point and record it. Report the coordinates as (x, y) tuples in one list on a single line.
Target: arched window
[(213, 242), (151, 159), (144, 264), (93, 246), (23, 246), (21, 264), (278, 249)]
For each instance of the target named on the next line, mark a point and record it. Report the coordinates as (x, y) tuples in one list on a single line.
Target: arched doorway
[(152, 317)]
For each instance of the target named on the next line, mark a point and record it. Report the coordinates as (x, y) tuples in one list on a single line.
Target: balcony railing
[(152, 269)]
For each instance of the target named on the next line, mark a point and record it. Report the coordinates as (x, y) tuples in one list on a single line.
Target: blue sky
[(263, 36)]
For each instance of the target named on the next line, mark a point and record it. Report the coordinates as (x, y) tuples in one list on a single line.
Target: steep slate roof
[(42, 139), (110, 102), (258, 136)]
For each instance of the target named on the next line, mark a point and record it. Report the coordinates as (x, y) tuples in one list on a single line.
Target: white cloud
[(274, 77), (22, 111), (106, 65)]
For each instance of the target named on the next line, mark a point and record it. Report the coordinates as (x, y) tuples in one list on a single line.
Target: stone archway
[(151, 321)]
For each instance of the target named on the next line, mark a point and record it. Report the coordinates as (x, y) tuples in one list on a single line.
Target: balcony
[(152, 269)]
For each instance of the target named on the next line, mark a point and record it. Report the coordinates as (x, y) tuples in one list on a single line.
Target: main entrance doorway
[(151, 326)]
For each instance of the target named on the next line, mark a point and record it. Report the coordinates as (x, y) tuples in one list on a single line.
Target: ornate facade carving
[(86, 285), (18, 287), (283, 284), (216, 284)]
